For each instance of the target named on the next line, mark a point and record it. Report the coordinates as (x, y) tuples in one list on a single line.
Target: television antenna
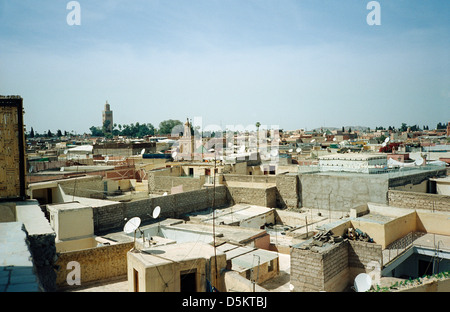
[(131, 226), (155, 215), (363, 282)]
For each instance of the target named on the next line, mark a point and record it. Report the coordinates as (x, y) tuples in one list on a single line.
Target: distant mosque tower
[(108, 115), (186, 142)]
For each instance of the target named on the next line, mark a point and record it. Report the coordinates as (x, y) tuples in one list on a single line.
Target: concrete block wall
[(340, 192), (413, 200), (333, 269), (416, 178), (335, 261), (306, 270), (111, 217), (361, 254)]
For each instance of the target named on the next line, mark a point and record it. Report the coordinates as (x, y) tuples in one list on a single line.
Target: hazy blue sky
[(296, 64)]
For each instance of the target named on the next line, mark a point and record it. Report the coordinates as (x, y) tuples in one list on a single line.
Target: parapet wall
[(332, 270), (96, 264), (266, 197), (414, 200)]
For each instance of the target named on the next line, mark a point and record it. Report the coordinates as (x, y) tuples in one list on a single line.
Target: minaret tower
[(108, 115)]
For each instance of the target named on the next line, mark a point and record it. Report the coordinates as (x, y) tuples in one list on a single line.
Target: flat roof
[(354, 156), (67, 206), (176, 253), (236, 213)]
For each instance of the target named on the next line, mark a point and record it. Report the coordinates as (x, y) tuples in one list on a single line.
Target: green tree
[(106, 126), (31, 133), (96, 131), (166, 126), (59, 133)]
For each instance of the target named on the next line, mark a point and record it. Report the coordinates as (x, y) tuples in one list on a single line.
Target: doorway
[(188, 281)]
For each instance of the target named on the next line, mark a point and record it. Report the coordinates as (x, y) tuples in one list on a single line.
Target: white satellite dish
[(386, 140), (313, 140), (419, 161), (132, 225), (298, 150), (156, 212), (143, 151), (106, 158), (383, 144), (274, 153), (242, 149), (165, 194), (174, 154), (291, 150), (334, 139), (363, 282)]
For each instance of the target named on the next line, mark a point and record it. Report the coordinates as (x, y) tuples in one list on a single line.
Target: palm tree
[(258, 124)]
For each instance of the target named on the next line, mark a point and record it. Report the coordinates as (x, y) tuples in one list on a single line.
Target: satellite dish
[(242, 149), (419, 161), (298, 150), (165, 194), (156, 212), (291, 150), (174, 154), (106, 158), (132, 225), (313, 140), (386, 140), (143, 151), (274, 153), (66, 151), (363, 282), (334, 139), (383, 144)]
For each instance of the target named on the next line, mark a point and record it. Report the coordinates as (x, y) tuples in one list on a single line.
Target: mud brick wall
[(306, 270), (96, 264), (288, 188), (266, 197), (413, 200)]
